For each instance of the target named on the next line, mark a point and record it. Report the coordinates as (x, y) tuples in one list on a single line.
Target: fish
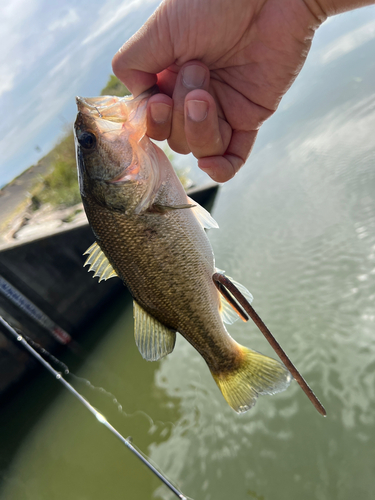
[(149, 233)]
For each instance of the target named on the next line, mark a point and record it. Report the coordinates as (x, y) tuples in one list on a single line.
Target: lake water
[(297, 227)]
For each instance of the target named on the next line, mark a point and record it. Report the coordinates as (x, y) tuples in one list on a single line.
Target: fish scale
[(162, 268)]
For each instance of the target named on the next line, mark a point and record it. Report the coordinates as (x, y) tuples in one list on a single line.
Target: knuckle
[(205, 145), (179, 146), (158, 135)]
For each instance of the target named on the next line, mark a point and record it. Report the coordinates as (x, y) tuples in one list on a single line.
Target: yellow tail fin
[(257, 374)]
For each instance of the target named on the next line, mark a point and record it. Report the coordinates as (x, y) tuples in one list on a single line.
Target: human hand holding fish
[(222, 68), (151, 235)]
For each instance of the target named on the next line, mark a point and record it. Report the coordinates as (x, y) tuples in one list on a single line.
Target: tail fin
[(257, 374)]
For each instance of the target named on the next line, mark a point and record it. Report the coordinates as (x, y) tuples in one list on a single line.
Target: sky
[(52, 51)]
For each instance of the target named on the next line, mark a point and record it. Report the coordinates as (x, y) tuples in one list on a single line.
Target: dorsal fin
[(99, 263), (228, 314), (204, 217), (154, 340)]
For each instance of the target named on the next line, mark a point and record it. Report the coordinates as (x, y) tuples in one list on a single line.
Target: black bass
[(151, 235)]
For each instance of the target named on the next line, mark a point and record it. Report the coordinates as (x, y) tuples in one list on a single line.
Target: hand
[(222, 67)]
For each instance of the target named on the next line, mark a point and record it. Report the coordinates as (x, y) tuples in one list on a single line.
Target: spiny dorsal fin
[(228, 314), (153, 339), (99, 263), (204, 217)]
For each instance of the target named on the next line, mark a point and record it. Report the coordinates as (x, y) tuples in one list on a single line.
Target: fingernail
[(193, 76), (197, 110), (160, 112)]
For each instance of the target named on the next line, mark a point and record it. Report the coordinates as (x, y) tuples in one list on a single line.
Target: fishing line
[(154, 425), (101, 418)]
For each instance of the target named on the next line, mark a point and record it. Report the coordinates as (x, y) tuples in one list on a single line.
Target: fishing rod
[(101, 418)]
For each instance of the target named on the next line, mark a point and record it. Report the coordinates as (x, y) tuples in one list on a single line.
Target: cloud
[(6, 80), (25, 40), (60, 66), (50, 54), (71, 17), (13, 15), (348, 42), (37, 112), (108, 18), (45, 46)]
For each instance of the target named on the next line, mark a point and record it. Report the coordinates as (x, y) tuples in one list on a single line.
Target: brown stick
[(223, 284)]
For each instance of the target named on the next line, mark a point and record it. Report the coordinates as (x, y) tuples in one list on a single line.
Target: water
[(297, 226)]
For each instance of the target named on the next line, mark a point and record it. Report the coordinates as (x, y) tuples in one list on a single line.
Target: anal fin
[(229, 309), (154, 340)]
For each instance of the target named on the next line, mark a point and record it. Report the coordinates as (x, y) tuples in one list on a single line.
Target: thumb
[(144, 55)]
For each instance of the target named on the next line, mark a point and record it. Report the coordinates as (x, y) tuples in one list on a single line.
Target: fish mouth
[(112, 108), (109, 108)]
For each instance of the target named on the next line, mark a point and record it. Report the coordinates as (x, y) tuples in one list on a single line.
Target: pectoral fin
[(153, 339), (201, 214), (204, 217), (99, 263), (162, 209)]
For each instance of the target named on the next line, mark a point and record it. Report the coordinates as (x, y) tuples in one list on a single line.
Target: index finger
[(137, 63)]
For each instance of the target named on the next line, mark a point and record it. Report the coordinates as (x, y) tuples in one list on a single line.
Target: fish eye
[(87, 140)]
